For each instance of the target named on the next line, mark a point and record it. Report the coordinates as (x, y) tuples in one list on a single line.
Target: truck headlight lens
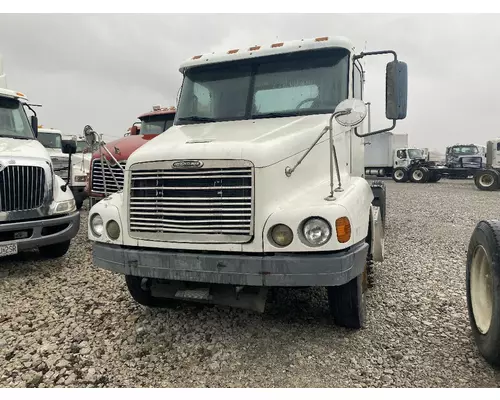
[(281, 235), (113, 229), (316, 231), (65, 206), (80, 178), (96, 225)]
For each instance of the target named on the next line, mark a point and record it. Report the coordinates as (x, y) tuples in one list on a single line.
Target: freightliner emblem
[(187, 164)]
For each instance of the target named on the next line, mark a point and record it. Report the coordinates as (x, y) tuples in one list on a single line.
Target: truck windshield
[(13, 120), (300, 83), (464, 150), (50, 140), (156, 124), (415, 153), (81, 145)]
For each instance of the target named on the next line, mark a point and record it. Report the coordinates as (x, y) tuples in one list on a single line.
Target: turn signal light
[(343, 228)]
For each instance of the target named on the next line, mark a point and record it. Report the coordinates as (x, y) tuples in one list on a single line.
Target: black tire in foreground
[(55, 250), (347, 303), (400, 174), (486, 180), (483, 289), (141, 292)]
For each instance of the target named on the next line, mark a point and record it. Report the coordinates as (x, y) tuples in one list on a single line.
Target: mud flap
[(378, 235), (246, 297)]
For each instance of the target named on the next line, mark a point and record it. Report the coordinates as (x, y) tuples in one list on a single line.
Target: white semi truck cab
[(52, 140), (259, 184), (36, 209)]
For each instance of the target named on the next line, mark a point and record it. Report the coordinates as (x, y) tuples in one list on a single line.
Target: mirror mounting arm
[(375, 53), (375, 132)]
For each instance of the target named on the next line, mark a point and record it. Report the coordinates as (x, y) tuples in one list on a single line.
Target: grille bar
[(22, 188), (110, 173), (210, 201)]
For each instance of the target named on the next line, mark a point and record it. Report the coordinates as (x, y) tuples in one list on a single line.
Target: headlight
[(316, 231), (96, 225), (65, 206), (80, 178), (113, 229), (281, 235)]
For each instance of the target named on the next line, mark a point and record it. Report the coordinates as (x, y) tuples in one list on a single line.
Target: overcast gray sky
[(105, 70)]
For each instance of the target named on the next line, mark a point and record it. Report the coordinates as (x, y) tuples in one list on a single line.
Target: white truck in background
[(258, 184), (388, 154), (36, 209), (52, 140)]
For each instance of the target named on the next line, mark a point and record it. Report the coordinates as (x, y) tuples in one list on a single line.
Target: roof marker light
[(277, 45), (321, 39), (20, 94), (196, 57), (254, 48), (234, 51)]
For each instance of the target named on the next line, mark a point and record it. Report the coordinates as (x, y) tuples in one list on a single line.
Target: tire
[(483, 293), (438, 177), (55, 250), (79, 204), (143, 296), (419, 175), (347, 303), (379, 193), (400, 174), (486, 180)]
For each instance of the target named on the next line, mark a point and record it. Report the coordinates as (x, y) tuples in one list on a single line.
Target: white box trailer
[(380, 151)]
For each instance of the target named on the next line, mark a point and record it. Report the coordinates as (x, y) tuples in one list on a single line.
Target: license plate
[(8, 249)]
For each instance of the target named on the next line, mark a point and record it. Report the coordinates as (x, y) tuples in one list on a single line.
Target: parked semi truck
[(469, 157), (488, 178), (107, 163), (52, 140), (37, 210), (388, 154), (258, 184)]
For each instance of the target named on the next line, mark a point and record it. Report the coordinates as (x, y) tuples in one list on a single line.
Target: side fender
[(377, 234)]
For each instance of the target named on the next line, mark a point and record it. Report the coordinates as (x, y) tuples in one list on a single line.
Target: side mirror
[(396, 90), (34, 124), (68, 146), (350, 112), (134, 130)]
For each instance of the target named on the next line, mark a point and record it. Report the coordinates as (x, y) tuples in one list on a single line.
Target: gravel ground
[(66, 323)]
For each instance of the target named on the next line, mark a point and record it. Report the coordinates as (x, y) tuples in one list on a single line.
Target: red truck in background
[(105, 181)]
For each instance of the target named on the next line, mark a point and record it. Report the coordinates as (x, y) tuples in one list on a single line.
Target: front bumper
[(297, 269), (40, 232)]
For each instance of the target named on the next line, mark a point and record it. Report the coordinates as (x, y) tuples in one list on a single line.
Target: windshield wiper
[(274, 114), (196, 118), (16, 137)]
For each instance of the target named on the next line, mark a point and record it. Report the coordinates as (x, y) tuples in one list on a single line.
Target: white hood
[(19, 148), (263, 141)]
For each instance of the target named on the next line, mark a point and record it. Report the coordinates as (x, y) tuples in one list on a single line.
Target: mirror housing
[(34, 125), (90, 136), (68, 146), (396, 90)]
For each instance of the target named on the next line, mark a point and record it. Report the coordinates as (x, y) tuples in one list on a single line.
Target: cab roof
[(13, 94), (267, 50), (48, 130), (161, 111)]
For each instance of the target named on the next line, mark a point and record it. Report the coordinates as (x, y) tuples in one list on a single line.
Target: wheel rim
[(418, 175), (399, 175), (486, 180), (481, 289)]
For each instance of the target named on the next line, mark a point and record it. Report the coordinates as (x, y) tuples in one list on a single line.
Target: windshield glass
[(157, 124), (50, 140), (302, 83), (415, 153), (81, 145), (13, 120), (464, 150)]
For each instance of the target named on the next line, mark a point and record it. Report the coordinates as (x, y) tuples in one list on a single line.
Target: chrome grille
[(214, 203), (21, 188), (110, 173), (60, 166)]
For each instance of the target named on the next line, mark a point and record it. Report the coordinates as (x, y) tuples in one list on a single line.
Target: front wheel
[(483, 289), (347, 303), (486, 180)]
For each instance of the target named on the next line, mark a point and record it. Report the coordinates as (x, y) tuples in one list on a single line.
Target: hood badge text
[(191, 164)]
